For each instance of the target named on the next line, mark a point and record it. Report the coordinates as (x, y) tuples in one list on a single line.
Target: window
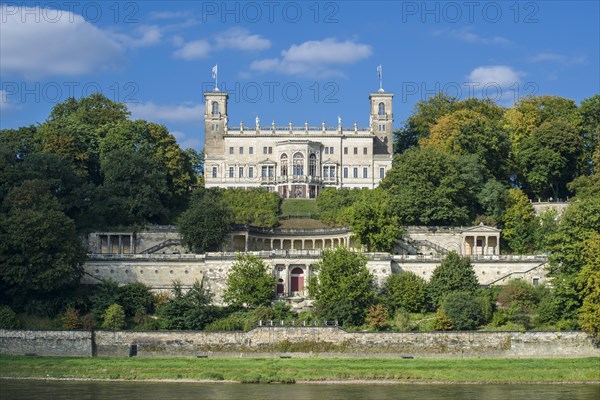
[(312, 165), (214, 172), (381, 127), (365, 151), (381, 109), (345, 150), (298, 164), (356, 150), (231, 172), (345, 172), (250, 150), (231, 150), (326, 150), (365, 172), (265, 150), (331, 150), (270, 150), (241, 172), (325, 172), (355, 173), (267, 171), (283, 161), (381, 173), (241, 150), (215, 127), (250, 171), (215, 108), (332, 172)]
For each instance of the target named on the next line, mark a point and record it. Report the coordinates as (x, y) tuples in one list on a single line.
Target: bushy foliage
[(190, 310), (405, 291), (113, 318), (71, 319), (334, 204), (464, 310), (378, 317), (256, 206), (8, 318), (441, 321), (343, 288), (454, 274), (250, 283)]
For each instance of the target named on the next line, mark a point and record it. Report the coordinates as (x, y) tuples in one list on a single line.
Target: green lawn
[(299, 207), (294, 370)]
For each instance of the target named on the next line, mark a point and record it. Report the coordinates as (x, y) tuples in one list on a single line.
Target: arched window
[(298, 164), (215, 108), (297, 280), (312, 165), (381, 109), (284, 164)]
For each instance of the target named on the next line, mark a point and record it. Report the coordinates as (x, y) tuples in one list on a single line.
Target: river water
[(70, 390)]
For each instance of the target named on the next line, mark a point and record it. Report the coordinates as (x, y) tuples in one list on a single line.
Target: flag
[(379, 72), (214, 72)]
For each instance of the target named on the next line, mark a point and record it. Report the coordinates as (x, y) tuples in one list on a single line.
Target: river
[(77, 390)]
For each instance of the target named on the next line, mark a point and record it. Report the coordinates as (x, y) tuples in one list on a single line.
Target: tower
[(215, 123), (382, 120)]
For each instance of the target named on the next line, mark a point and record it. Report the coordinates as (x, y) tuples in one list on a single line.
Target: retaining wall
[(299, 342)]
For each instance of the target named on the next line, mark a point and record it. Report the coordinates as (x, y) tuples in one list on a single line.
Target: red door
[(297, 280)]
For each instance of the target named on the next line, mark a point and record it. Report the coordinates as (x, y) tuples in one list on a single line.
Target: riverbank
[(580, 370)]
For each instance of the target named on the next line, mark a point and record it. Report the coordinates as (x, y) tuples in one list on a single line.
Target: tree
[(206, 222), (424, 116), (463, 309), (405, 291), (40, 253), (548, 158), (136, 297), (113, 318), (334, 204), (588, 282), (430, 187), (343, 288), (467, 131), (519, 223), (189, 310), (454, 274), (256, 206), (378, 317), (250, 283), (374, 223), (135, 188), (589, 110), (71, 319)]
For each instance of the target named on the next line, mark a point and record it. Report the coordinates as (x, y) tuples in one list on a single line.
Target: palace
[(297, 162)]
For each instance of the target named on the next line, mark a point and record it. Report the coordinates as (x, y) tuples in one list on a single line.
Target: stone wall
[(300, 342)]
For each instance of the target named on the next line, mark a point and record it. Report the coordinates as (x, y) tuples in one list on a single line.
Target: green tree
[(256, 206), (374, 223), (519, 223), (588, 283), (206, 222), (334, 204), (40, 252), (454, 274), (463, 309), (188, 310), (8, 318), (589, 110), (71, 319), (250, 283), (343, 288), (548, 158), (135, 188), (430, 187), (405, 291), (113, 318), (135, 298)]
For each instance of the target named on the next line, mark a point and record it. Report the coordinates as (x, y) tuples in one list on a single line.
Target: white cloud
[(557, 58), (171, 113), (315, 58), (466, 35), (500, 75), (186, 142), (241, 39), (147, 35), (63, 45), (193, 50)]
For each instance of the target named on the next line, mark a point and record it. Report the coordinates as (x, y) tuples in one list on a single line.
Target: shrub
[(407, 291), (113, 318), (378, 317), (441, 321), (402, 321), (70, 319), (8, 318), (464, 310)]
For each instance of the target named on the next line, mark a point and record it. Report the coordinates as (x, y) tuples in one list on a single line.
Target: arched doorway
[(280, 287), (297, 281)]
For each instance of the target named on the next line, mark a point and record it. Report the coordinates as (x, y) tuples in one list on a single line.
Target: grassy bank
[(294, 370)]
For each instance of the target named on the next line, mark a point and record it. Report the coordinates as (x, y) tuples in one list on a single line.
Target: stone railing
[(293, 231), (541, 258)]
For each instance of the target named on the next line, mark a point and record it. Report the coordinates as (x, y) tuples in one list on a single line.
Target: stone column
[(120, 244), (498, 244)]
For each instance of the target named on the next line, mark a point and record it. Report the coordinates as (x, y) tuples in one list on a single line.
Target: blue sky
[(298, 61)]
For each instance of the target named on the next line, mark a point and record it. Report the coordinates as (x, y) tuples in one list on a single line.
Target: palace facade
[(296, 161)]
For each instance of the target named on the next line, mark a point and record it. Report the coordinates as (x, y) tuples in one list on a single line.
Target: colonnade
[(481, 245), (116, 243), (254, 243)]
